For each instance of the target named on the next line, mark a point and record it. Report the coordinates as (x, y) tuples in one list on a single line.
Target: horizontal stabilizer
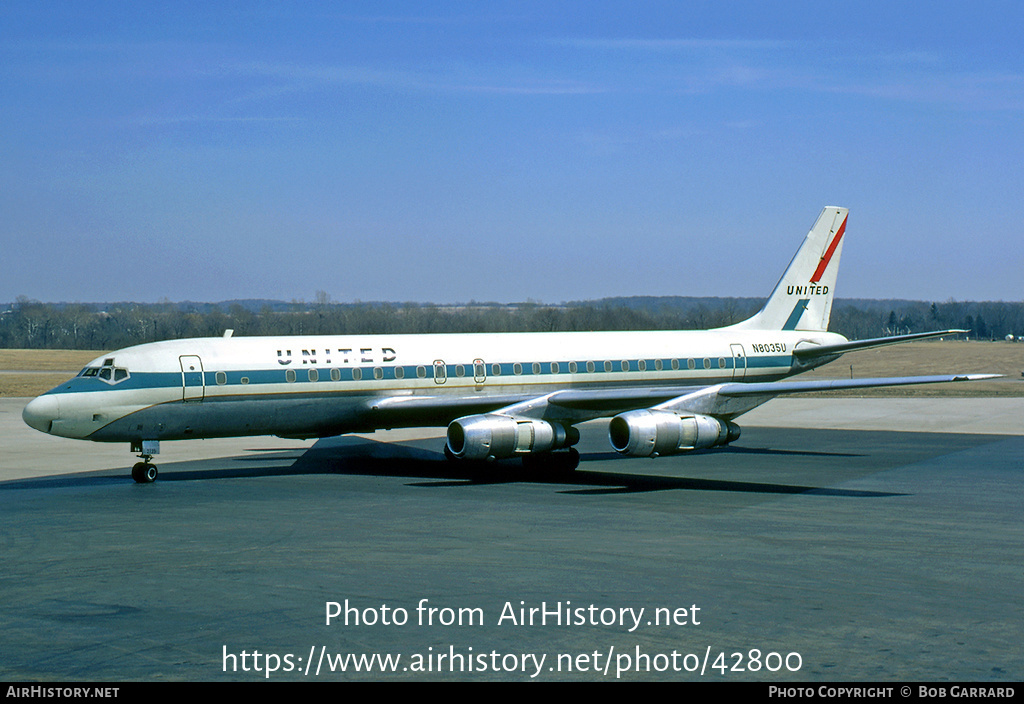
[(810, 351)]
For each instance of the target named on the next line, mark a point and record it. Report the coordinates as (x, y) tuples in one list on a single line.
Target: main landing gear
[(144, 472), (560, 462)]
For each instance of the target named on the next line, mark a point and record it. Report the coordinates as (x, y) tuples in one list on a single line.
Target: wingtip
[(976, 377)]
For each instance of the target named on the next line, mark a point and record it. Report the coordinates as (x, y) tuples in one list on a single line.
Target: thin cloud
[(662, 45), (975, 92), (298, 77), (705, 65)]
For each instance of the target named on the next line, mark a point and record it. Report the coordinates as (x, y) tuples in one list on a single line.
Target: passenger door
[(739, 362), (193, 382)]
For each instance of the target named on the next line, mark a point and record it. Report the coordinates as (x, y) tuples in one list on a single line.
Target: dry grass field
[(46, 360), (31, 372), (923, 358)]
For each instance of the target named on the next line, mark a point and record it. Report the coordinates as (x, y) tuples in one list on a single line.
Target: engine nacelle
[(495, 436), (650, 433)]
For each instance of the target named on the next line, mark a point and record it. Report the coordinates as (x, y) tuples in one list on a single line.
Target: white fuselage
[(325, 385)]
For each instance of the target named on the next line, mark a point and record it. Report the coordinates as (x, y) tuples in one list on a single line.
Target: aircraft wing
[(792, 387), (733, 399), (435, 411), (810, 351), (576, 405), (571, 405)]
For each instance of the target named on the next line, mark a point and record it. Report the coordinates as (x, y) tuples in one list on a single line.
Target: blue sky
[(505, 151)]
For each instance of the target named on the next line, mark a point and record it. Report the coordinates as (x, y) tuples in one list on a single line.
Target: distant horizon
[(115, 325), (332, 302)]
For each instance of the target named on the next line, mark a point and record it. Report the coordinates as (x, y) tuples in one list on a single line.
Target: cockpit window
[(111, 375)]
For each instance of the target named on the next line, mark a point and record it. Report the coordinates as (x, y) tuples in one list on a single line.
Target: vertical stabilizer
[(802, 300)]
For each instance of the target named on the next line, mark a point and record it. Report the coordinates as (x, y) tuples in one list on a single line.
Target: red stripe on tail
[(823, 264)]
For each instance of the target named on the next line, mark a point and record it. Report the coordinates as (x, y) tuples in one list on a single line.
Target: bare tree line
[(35, 325)]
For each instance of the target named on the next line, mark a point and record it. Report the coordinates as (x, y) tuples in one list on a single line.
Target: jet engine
[(494, 436), (650, 433)]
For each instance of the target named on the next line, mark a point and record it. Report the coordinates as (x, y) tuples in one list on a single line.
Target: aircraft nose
[(41, 412)]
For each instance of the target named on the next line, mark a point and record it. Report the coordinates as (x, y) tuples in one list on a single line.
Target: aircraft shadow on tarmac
[(360, 457)]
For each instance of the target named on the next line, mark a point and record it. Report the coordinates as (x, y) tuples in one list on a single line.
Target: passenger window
[(314, 375), (536, 367), (517, 368), (572, 367), (399, 372), (690, 364), (421, 372), (721, 362), (495, 370), (591, 367), (289, 376), (335, 375), (378, 373), (221, 378), (607, 366), (357, 373), (707, 363)]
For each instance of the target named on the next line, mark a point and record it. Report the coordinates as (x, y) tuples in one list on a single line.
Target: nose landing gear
[(144, 472)]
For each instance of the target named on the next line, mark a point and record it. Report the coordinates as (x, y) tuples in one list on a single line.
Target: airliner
[(501, 395)]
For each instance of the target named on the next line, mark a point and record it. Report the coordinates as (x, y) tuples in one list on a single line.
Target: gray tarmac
[(841, 552)]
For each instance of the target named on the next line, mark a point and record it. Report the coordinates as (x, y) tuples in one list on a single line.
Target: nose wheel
[(144, 472)]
